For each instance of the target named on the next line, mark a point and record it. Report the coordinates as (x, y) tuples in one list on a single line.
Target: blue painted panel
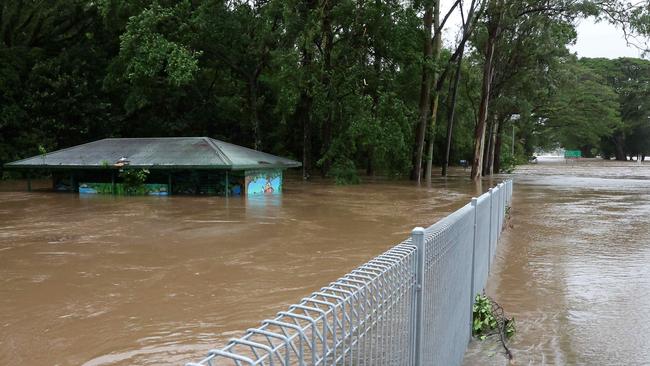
[(261, 182)]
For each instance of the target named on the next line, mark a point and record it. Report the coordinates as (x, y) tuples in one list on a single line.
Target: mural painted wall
[(260, 182), (106, 188)]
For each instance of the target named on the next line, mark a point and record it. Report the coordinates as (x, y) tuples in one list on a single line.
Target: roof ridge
[(152, 137), (249, 149), (217, 149)]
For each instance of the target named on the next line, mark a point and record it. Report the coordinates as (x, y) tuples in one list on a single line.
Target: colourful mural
[(263, 182), (151, 189)]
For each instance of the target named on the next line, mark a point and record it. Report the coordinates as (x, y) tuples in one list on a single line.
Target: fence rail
[(411, 305)]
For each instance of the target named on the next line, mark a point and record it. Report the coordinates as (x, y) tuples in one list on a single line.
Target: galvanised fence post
[(503, 206), (500, 208), (417, 238), (489, 258), (471, 289)]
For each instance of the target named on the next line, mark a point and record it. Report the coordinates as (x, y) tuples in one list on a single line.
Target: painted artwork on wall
[(96, 188), (260, 182), (151, 189)]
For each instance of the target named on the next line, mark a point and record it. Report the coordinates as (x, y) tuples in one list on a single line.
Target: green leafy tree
[(581, 111), (629, 79), (50, 76), (345, 86), (134, 180)]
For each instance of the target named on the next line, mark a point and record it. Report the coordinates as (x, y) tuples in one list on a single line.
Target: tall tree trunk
[(479, 131), (253, 114), (497, 149), (326, 128), (374, 87), (488, 146), (425, 93), (619, 146), (303, 114), (370, 168), (450, 114), (437, 46), (303, 111), (493, 145)]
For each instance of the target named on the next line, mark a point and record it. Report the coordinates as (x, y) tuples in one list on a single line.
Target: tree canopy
[(346, 87)]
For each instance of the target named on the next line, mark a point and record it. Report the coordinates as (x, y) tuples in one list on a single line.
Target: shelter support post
[(73, 182), (227, 185), (29, 182), (197, 185), (169, 184), (113, 182)]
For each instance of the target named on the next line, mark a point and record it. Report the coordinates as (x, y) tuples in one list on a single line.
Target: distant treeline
[(342, 85)]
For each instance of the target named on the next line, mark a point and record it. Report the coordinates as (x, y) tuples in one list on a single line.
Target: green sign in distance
[(572, 154)]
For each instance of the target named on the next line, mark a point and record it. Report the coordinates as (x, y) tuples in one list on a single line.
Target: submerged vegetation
[(133, 180), (488, 319), (343, 86)]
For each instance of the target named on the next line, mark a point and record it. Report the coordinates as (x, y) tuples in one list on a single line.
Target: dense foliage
[(133, 179), (338, 85)]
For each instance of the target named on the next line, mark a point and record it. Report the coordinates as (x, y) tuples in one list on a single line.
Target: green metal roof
[(157, 153)]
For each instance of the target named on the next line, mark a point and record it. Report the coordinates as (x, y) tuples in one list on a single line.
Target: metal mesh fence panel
[(494, 231), (363, 318), (447, 288), (411, 305)]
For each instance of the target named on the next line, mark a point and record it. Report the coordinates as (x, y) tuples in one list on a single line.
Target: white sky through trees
[(595, 39), (602, 40)]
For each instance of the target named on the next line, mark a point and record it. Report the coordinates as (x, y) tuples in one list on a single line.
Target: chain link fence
[(411, 305)]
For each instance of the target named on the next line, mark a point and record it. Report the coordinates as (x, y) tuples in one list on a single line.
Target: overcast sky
[(602, 40), (594, 39)]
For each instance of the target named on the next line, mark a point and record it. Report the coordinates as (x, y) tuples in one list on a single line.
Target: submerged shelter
[(164, 165)]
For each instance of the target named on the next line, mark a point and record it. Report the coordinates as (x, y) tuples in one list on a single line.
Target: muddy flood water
[(574, 268), (159, 281), (98, 280)]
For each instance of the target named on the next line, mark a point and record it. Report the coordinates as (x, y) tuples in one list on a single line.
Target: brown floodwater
[(102, 280), (574, 267)]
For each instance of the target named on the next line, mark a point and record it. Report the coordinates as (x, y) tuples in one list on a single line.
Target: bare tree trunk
[(450, 114), (375, 89), (488, 146), (253, 115), (479, 131), (437, 46), (303, 114), (619, 145), (431, 137), (425, 92), (497, 149), (304, 109), (493, 145), (370, 167), (326, 80)]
